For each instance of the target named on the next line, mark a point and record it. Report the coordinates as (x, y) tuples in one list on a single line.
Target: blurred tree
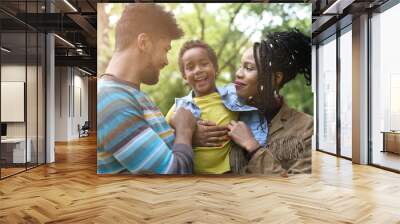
[(229, 28)]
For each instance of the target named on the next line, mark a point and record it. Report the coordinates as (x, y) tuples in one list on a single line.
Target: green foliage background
[(229, 28)]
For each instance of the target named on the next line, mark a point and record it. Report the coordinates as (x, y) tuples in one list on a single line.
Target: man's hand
[(208, 134), (184, 124), (242, 135)]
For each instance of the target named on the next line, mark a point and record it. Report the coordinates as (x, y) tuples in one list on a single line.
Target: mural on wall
[(198, 88)]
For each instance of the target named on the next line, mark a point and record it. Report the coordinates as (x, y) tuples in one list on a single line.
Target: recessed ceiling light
[(84, 71), (5, 50), (337, 7), (70, 5), (64, 40)]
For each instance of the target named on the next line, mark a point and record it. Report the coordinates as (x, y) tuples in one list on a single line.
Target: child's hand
[(208, 134)]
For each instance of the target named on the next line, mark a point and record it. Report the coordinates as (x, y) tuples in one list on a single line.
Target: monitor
[(3, 129)]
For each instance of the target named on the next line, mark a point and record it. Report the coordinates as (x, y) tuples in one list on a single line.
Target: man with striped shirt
[(133, 136)]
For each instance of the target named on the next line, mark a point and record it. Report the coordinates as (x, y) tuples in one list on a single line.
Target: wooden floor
[(5, 172), (387, 159), (69, 191), (10, 171)]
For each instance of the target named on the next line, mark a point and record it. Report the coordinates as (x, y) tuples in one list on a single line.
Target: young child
[(199, 66)]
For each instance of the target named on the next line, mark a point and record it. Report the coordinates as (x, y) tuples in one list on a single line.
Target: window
[(327, 96), (385, 86), (346, 93)]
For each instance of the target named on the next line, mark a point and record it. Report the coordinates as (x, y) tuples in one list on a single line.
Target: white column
[(360, 90), (50, 110), (50, 92)]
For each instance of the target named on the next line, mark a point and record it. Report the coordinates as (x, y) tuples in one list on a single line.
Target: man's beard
[(150, 74)]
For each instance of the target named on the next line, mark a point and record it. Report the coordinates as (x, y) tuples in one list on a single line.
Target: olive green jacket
[(288, 148)]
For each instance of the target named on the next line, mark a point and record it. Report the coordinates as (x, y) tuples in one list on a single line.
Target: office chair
[(84, 130)]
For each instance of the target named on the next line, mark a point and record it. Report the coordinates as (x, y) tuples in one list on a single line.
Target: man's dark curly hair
[(286, 52), (147, 18), (201, 44)]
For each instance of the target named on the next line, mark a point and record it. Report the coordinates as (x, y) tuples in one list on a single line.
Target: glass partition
[(22, 89), (31, 99), (13, 103)]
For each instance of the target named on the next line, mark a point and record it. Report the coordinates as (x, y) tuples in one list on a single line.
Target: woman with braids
[(264, 70)]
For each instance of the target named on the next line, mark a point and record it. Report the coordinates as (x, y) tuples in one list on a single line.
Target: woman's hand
[(242, 135), (208, 134)]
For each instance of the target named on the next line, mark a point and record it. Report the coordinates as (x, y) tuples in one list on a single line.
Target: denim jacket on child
[(248, 114)]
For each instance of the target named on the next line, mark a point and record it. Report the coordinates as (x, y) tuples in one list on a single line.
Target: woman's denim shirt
[(248, 114)]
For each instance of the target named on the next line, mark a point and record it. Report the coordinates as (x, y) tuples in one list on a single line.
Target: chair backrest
[(86, 125)]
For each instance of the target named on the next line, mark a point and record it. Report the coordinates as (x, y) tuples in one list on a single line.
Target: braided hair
[(286, 52)]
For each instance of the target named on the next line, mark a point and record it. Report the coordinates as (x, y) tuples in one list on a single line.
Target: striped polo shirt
[(133, 135)]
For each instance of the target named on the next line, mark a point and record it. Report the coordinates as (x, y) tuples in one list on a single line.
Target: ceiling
[(74, 22), (328, 16)]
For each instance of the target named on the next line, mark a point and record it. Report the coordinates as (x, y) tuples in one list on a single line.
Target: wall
[(61, 103), (71, 102), (92, 91), (80, 102)]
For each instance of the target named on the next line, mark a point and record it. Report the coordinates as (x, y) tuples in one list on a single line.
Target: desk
[(13, 150), (391, 141)]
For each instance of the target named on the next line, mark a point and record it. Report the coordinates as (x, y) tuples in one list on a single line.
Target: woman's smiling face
[(246, 77)]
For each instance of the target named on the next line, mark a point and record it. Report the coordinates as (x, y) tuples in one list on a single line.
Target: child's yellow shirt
[(211, 160)]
